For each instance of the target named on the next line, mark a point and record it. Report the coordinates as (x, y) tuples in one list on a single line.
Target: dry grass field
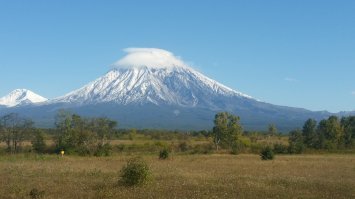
[(182, 176)]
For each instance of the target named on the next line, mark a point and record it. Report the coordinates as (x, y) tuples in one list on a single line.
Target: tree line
[(329, 134), (332, 133), (72, 133), (91, 136)]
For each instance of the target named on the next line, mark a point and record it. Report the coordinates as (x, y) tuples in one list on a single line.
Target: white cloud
[(289, 79), (353, 93), (149, 57)]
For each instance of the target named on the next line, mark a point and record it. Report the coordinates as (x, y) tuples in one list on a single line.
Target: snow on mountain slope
[(155, 76), (20, 97)]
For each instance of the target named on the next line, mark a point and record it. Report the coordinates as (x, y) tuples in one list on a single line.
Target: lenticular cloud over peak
[(149, 57)]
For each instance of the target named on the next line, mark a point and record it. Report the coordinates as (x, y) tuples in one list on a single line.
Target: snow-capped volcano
[(152, 88), (152, 76), (20, 97)]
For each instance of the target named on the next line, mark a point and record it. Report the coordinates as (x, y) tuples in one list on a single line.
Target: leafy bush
[(243, 144), (267, 153), (296, 148), (82, 150), (135, 172), (237, 147), (103, 150), (164, 154), (36, 194), (183, 147), (280, 148)]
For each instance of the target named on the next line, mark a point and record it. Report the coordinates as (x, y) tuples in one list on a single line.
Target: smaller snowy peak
[(150, 58), (21, 97)]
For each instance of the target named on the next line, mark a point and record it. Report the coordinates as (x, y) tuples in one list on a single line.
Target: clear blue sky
[(296, 53)]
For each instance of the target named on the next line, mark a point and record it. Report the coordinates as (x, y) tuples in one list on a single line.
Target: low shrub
[(36, 194), (135, 172), (164, 154), (267, 153), (183, 147)]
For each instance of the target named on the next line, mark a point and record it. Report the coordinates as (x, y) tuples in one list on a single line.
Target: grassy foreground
[(183, 176)]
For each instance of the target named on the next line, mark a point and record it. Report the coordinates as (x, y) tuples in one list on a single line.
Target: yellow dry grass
[(183, 176)]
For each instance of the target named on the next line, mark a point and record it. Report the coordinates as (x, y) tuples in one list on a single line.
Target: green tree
[(226, 130), (295, 140), (331, 132), (309, 133), (74, 133), (64, 137), (335, 131), (321, 141), (104, 128), (38, 142), (348, 125)]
